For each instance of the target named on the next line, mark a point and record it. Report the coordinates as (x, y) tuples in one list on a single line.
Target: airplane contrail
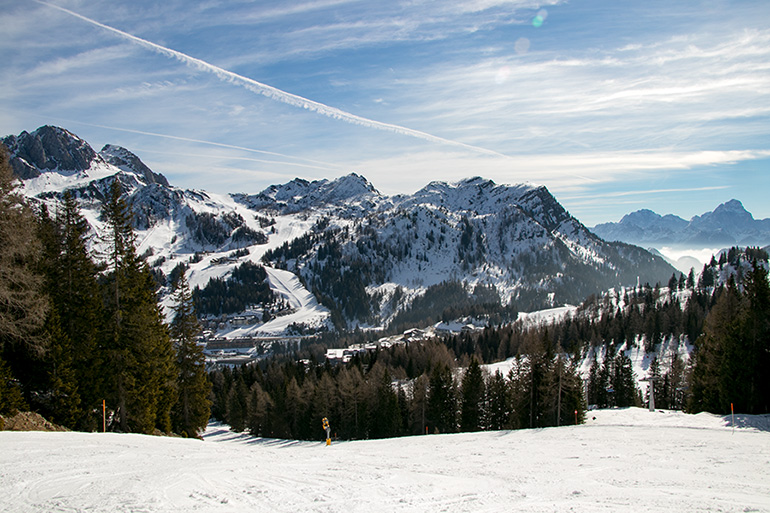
[(316, 164), (273, 92)]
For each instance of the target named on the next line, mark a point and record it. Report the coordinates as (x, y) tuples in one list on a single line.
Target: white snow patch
[(626, 460)]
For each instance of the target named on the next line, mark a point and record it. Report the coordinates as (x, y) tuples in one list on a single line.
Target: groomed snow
[(622, 461)]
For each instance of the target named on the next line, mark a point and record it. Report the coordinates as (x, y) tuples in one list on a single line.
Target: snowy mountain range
[(338, 251), (728, 225)]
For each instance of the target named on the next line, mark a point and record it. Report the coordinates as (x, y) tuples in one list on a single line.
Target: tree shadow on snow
[(742, 421)]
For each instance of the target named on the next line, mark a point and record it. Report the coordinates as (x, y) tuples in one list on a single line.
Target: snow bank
[(622, 461)]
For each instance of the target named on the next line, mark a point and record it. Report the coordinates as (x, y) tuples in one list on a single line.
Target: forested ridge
[(438, 386)]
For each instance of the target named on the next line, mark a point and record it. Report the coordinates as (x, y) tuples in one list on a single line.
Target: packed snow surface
[(622, 460)]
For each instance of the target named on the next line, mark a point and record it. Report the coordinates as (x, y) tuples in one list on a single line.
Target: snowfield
[(623, 460)]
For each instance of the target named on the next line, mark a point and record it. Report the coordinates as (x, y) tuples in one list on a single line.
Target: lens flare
[(502, 75), (539, 18)]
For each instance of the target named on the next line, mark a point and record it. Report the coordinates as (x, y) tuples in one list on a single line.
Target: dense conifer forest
[(79, 339)]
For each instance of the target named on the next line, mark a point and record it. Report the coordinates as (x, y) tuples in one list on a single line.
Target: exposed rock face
[(127, 161), (48, 148)]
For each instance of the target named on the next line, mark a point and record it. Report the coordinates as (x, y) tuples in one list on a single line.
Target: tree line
[(76, 334), (403, 390)]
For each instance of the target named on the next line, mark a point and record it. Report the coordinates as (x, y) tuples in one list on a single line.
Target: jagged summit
[(300, 194), (48, 148), (127, 161), (471, 194)]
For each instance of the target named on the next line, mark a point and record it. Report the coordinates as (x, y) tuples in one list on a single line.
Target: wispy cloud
[(307, 162), (609, 101), (275, 93)]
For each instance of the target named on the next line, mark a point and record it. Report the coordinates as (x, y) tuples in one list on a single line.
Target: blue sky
[(614, 105)]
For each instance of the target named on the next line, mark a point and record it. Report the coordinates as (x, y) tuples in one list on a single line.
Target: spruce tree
[(64, 403), (418, 410), (139, 358), (593, 381), (472, 412), (71, 282), (713, 375), (623, 383), (442, 401), (260, 409), (756, 326), (237, 407), (561, 397), (191, 411), (385, 415), (498, 402)]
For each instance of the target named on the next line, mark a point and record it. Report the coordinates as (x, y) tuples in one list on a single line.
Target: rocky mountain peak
[(127, 161), (300, 194), (48, 148)]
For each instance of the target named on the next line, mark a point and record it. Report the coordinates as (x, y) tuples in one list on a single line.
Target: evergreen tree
[(237, 407), (656, 385), (691, 279), (64, 402), (534, 376), (565, 395), (605, 393), (672, 284), (295, 406), (732, 354), (623, 383), (710, 378), (756, 326), (674, 384), (138, 356), (191, 411), (73, 326), (498, 402), (442, 401), (385, 414), (593, 381), (352, 407), (11, 399), (472, 411)]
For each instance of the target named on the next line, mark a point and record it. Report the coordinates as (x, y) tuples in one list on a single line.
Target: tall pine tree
[(191, 411), (139, 358), (71, 279), (442, 401), (472, 410)]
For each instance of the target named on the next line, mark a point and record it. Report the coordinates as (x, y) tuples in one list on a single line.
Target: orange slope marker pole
[(732, 416)]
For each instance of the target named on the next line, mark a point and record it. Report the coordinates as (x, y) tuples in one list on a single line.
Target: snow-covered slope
[(627, 460)]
